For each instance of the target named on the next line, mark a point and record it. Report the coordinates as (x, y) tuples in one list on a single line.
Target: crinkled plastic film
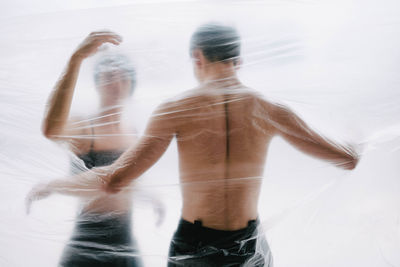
[(270, 138)]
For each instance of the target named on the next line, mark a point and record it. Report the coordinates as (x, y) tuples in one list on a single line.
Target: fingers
[(38, 192), (94, 40), (32, 196), (159, 210), (103, 32), (28, 204), (160, 218), (112, 40), (106, 36)]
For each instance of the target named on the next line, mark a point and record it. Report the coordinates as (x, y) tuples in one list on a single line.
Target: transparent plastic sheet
[(327, 67)]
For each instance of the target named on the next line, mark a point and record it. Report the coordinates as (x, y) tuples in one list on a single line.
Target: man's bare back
[(222, 149)]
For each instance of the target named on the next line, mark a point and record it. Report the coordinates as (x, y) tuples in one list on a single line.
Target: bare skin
[(103, 130), (223, 131)]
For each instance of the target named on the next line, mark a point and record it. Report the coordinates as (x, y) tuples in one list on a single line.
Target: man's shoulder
[(199, 96), (248, 92), (267, 104), (186, 99), (254, 96)]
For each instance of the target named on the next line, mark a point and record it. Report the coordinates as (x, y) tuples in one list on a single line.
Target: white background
[(335, 62)]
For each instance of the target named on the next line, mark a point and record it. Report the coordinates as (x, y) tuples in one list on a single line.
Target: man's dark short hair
[(112, 61), (217, 42)]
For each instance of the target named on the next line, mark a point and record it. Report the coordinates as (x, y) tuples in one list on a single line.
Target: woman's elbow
[(48, 131)]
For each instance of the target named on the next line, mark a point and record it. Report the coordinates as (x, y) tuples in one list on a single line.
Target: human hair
[(217, 42), (111, 62)]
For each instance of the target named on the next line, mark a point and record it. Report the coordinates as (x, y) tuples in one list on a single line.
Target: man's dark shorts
[(194, 245)]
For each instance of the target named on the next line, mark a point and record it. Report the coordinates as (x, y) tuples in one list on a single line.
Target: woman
[(102, 235)]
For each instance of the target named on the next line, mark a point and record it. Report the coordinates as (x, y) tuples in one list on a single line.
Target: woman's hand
[(90, 45), (38, 192)]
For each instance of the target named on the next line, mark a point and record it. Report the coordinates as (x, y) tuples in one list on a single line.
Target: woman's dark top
[(102, 240)]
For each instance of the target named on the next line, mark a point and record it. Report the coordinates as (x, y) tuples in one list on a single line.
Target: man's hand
[(90, 45), (38, 192)]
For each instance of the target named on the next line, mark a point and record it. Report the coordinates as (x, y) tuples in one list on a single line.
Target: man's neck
[(220, 72)]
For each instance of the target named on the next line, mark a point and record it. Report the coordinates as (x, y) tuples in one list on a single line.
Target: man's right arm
[(294, 130), (151, 146)]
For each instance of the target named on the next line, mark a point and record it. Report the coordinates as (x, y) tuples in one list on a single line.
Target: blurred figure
[(102, 234), (223, 130)]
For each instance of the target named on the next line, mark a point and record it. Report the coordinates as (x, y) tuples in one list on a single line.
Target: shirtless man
[(223, 130)]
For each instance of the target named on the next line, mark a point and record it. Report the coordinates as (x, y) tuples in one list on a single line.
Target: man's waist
[(196, 231), (221, 223)]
